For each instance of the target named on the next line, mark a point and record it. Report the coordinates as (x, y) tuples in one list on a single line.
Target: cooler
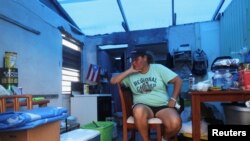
[(81, 135)]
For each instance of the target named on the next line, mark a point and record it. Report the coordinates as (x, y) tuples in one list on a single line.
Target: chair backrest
[(126, 98), (15, 104)]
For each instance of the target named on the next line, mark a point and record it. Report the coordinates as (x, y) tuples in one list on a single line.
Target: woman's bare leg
[(141, 115)]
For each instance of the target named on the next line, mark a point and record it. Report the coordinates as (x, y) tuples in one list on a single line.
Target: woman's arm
[(177, 82), (118, 78)]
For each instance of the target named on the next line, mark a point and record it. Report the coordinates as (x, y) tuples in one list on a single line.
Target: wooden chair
[(16, 103), (128, 120)]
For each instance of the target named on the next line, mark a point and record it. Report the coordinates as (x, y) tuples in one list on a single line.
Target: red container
[(244, 79)]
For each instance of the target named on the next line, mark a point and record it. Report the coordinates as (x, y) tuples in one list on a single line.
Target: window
[(71, 67)]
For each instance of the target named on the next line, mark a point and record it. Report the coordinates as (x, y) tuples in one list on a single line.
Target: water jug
[(218, 80), (227, 80)]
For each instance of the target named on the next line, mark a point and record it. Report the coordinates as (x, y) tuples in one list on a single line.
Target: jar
[(86, 89)]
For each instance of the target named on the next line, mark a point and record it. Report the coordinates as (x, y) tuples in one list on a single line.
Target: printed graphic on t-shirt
[(145, 85)]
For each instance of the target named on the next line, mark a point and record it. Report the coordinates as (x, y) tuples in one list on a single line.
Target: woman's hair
[(150, 57), (142, 52)]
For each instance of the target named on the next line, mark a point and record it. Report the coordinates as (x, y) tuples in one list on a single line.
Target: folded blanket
[(31, 118), (12, 119), (35, 123)]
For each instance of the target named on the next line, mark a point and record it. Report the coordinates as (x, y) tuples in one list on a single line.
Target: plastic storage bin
[(236, 114), (104, 127), (81, 135)]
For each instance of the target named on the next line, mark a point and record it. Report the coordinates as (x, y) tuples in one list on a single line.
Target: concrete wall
[(209, 40), (132, 38), (204, 35), (181, 34), (30, 29)]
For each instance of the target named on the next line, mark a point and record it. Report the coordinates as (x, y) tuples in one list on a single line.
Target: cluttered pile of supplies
[(227, 73)]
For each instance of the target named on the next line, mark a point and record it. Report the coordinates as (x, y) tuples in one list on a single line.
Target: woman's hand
[(132, 69), (171, 103), (118, 78)]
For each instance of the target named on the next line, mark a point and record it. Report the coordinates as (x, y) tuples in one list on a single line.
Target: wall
[(89, 54), (181, 34), (234, 29), (204, 35), (132, 38), (209, 40), (30, 29)]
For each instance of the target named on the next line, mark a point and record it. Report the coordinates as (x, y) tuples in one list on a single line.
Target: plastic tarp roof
[(96, 17)]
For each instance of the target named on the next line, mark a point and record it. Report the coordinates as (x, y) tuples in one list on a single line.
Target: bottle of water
[(217, 79), (227, 80), (191, 81)]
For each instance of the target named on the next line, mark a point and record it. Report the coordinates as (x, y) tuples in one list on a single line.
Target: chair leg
[(158, 133), (125, 134), (133, 135)]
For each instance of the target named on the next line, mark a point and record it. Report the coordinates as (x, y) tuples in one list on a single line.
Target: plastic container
[(104, 127), (10, 59), (191, 81), (81, 135), (228, 81), (244, 79), (114, 134), (236, 114), (217, 79)]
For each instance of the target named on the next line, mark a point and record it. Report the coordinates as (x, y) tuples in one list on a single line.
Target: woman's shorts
[(153, 108)]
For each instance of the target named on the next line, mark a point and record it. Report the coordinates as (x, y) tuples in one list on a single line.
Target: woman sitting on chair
[(148, 83)]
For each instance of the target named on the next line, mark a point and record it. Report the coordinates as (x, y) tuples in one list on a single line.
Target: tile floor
[(119, 136)]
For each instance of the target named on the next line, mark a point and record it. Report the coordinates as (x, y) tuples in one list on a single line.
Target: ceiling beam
[(124, 23), (173, 14), (218, 9), (73, 1)]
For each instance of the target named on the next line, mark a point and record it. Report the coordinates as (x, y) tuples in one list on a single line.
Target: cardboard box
[(45, 132)]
